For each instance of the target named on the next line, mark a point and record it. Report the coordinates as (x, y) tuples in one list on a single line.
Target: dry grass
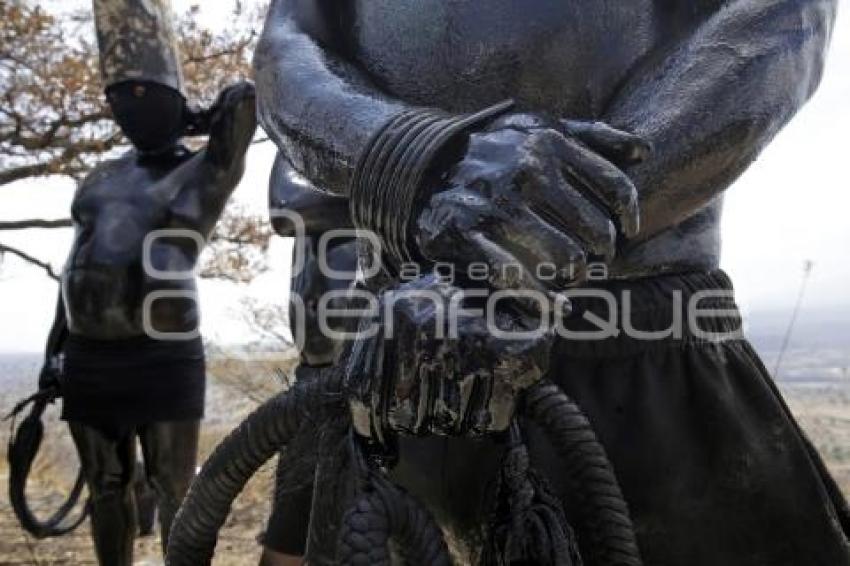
[(824, 413)]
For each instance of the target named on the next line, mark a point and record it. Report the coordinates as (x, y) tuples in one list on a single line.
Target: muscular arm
[(714, 100), (213, 174), (319, 108)]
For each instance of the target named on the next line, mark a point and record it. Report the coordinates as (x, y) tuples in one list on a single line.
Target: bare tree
[(54, 119), (238, 246), (268, 320)]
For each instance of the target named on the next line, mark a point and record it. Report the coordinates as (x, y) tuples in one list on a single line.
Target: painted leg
[(108, 462), (170, 452)]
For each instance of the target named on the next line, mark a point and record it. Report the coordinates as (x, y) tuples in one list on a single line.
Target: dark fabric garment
[(288, 525), (711, 461), (132, 382), (713, 466)]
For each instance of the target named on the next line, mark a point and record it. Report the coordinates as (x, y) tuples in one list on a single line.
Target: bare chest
[(566, 57), (116, 215)]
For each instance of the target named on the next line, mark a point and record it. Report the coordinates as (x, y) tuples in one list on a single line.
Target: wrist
[(390, 182)]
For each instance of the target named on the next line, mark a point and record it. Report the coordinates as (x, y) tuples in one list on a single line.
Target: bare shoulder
[(104, 171), (323, 20)]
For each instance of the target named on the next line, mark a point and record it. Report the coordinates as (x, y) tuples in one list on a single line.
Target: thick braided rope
[(24, 443), (528, 524), (605, 531), (261, 435), (383, 513)]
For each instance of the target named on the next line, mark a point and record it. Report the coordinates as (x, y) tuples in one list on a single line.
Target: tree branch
[(25, 171), (232, 50), (35, 223), (28, 258), (61, 164), (46, 136)]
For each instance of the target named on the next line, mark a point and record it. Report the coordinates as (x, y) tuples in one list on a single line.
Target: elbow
[(786, 63), (270, 57), (815, 20), (275, 81), (272, 38), (263, 64), (779, 44)]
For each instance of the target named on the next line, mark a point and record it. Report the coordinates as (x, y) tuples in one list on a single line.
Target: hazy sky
[(792, 205)]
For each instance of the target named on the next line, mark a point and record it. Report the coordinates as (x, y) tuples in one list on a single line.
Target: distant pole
[(807, 270)]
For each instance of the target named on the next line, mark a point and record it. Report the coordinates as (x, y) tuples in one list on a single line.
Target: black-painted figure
[(629, 122), (319, 212), (132, 357)]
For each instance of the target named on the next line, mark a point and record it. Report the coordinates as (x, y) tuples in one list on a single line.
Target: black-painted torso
[(707, 82), (123, 201), (115, 208), (565, 59), (555, 57)]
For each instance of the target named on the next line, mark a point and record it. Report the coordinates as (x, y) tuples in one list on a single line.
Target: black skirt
[(132, 382), (711, 461)]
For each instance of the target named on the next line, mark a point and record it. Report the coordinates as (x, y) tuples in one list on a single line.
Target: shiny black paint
[(707, 83), (122, 201)]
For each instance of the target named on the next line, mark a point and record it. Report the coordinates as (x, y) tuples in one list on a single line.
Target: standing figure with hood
[(126, 330)]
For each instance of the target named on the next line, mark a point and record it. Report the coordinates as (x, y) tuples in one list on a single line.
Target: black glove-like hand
[(232, 122), (542, 195), (441, 364), (50, 373)]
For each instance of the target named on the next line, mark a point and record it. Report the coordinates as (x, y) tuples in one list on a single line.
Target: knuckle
[(556, 142), (544, 141), (520, 121)]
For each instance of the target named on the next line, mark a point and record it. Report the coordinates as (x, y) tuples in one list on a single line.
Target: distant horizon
[(762, 327)]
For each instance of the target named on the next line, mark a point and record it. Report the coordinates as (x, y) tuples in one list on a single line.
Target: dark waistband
[(617, 318), (137, 351)]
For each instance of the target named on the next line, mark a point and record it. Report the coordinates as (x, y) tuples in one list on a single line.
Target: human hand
[(232, 122), (544, 197), (48, 377), (441, 364)]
